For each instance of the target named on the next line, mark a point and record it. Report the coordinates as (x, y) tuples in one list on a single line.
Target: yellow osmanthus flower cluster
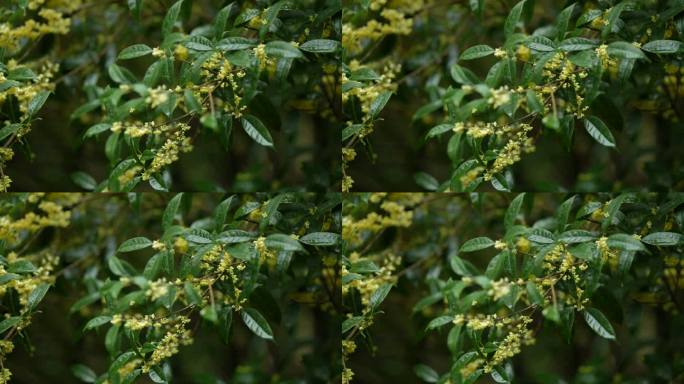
[(6, 347), (52, 212), (157, 289), (43, 17), (176, 143), (136, 322), (266, 256), (609, 256), (219, 72), (520, 335), (37, 267), (512, 152), (517, 143), (370, 284), (348, 155), (176, 336), (348, 347), (367, 94), (395, 18), (562, 74), (395, 214), (386, 17), (219, 262), (561, 264), (51, 19), (23, 93)]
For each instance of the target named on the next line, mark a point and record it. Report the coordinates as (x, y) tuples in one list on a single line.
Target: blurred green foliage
[(533, 288), (528, 95), (203, 95), (248, 282)]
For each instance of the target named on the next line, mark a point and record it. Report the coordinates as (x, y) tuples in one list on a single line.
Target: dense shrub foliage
[(457, 95), (527, 288), (253, 277), (134, 87)]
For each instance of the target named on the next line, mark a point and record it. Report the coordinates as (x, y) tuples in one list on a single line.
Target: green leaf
[(83, 373), (426, 181), (96, 322), (364, 266), (576, 44), (268, 18), (563, 213), (221, 19), (22, 266), (625, 50), (118, 266), (379, 295), (283, 49), (563, 20), (662, 46), (192, 294), (541, 236), (269, 212), (599, 131), (233, 236), (112, 340), (120, 74), (199, 43), (463, 75), (625, 242), (461, 267), (97, 129), (9, 323), (426, 373), (476, 52), (221, 212), (257, 323), (283, 242), (477, 244), (209, 314), (378, 104), (171, 18), (257, 131), (153, 266), (37, 295), (236, 43), (513, 19), (534, 294), (321, 239), (540, 43), (134, 244), (439, 322), (663, 239), (199, 236), (612, 18), (611, 210), (171, 211), (438, 130), (84, 180), (37, 102), (576, 236), (351, 322), (513, 211), (320, 46), (599, 323), (134, 51), (9, 130)]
